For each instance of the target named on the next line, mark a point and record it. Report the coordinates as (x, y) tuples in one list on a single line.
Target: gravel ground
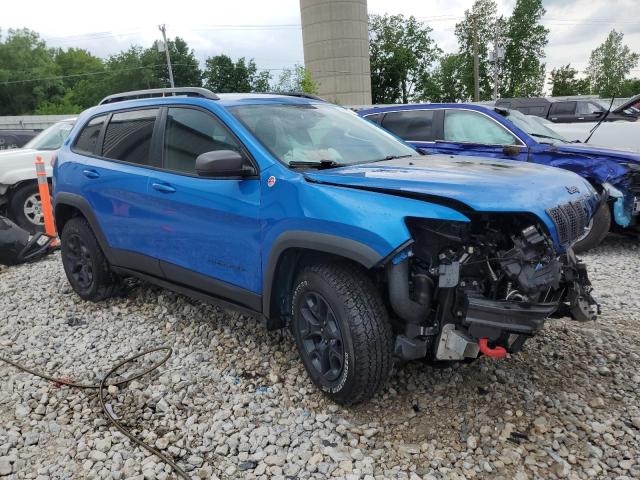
[(235, 402)]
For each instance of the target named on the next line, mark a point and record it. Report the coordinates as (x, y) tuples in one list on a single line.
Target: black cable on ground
[(102, 386)]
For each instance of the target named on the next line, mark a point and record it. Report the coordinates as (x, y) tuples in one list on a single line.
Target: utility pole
[(166, 51), (476, 65), (495, 68)]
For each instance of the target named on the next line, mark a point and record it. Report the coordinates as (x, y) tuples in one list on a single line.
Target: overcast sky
[(577, 26)]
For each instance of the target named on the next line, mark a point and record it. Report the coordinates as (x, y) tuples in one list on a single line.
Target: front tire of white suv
[(25, 208)]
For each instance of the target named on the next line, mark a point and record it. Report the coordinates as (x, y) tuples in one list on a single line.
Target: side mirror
[(223, 164), (511, 150)]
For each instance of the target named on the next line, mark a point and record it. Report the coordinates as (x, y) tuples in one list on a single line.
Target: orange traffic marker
[(45, 200)]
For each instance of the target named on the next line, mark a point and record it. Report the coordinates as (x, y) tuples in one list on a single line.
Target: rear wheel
[(342, 331), (25, 208), (84, 262), (596, 230)]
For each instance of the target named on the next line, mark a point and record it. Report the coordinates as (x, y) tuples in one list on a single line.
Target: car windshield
[(51, 138), (535, 127), (319, 134)]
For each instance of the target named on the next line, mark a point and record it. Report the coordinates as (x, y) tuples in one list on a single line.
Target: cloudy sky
[(269, 31)]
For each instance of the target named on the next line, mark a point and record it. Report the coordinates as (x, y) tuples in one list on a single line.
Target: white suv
[(19, 196)]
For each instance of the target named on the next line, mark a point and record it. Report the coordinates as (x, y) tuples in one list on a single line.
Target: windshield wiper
[(393, 157), (321, 164), (540, 135)]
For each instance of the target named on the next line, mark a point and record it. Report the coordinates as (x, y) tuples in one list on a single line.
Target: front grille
[(570, 220)]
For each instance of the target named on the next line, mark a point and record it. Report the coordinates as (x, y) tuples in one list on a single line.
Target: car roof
[(422, 106)]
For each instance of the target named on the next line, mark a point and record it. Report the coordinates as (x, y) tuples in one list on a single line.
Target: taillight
[(54, 157)]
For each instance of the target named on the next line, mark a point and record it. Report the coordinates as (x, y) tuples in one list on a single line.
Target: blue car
[(303, 214), (479, 131)]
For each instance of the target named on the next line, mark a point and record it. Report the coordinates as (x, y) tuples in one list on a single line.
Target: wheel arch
[(291, 251)]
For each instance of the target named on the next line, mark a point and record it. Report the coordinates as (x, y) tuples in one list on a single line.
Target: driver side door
[(206, 230)]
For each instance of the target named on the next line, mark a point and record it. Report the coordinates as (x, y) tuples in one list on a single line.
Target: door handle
[(90, 173), (163, 187)]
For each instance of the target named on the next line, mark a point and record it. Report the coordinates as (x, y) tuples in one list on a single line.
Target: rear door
[(563, 112), (207, 230), (468, 132), (113, 177)]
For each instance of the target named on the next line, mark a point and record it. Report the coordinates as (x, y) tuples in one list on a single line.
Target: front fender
[(360, 225)]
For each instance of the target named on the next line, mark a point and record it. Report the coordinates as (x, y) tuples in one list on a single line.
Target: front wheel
[(342, 331), (596, 230), (25, 208)]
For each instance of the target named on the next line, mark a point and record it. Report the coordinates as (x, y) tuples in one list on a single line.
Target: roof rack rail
[(299, 94), (160, 92)]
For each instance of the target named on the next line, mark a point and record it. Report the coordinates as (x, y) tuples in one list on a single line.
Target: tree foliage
[(401, 53), (296, 79), (563, 82), (609, 64), (445, 82), (223, 75)]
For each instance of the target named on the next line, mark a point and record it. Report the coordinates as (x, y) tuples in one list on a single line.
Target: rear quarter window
[(87, 139)]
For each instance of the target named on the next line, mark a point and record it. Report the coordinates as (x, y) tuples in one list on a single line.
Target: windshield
[(51, 138), (535, 127), (319, 133)]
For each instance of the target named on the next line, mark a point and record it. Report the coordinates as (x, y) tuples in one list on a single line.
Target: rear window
[(88, 137), (128, 136), (413, 125)]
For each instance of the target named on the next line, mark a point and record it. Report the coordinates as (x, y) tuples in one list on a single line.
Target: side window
[(563, 108), (472, 127), (373, 117), (128, 136), (88, 137), (190, 133), (416, 125), (587, 108)]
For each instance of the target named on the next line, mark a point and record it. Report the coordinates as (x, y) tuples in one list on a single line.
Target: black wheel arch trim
[(315, 241)]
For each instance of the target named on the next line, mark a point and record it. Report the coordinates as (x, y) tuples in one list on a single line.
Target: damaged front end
[(484, 286)]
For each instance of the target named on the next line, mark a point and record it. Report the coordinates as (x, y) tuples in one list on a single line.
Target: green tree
[(296, 79), (609, 64), (444, 83), (480, 21), (630, 87), (129, 70), (401, 52), (222, 75), (563, 82), (27, 73), (524, 50), (185, 65)]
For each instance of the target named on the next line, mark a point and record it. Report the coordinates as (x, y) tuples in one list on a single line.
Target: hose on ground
[(102, 386)]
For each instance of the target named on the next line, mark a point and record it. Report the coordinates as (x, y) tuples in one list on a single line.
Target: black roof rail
[(310, 96), (160, 92)]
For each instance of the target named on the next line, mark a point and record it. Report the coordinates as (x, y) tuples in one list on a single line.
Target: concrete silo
[(336, 49)]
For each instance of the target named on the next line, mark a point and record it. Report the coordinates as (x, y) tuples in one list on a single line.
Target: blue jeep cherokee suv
[(305, 215), (476, 130)]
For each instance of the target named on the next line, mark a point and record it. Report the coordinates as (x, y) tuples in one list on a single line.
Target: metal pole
[(166, 51), (476, 65), (496, 58)]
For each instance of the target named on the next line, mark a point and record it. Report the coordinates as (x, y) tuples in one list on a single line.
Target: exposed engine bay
[(484, 286)]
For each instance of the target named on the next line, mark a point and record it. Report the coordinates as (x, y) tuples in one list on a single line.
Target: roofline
[(160, 92)]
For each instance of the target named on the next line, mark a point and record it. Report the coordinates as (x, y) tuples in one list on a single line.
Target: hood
[(633, 103), (483, 185), (621, 156)]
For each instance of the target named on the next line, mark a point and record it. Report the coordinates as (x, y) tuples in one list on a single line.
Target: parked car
[(15, 138), (19, 194), (475, 130), (616, 135), (572, 111), (301, 213)]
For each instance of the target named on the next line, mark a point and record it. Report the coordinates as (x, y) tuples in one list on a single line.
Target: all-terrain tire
[(85, 265), (18, 204), (599, 229), (364, 330)]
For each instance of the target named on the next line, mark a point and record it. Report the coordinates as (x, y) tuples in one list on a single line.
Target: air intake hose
[(411, 311)]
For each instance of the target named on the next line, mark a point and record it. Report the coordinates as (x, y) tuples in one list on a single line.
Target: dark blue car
[(475, 130), (303, 214)]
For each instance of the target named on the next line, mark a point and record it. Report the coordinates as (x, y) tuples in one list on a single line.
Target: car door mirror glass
[(223, 164)]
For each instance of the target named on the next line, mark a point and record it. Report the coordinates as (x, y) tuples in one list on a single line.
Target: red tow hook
[(497, 352)]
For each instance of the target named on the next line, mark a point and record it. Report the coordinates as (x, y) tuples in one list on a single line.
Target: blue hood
[(483, 185), (586, 149)]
